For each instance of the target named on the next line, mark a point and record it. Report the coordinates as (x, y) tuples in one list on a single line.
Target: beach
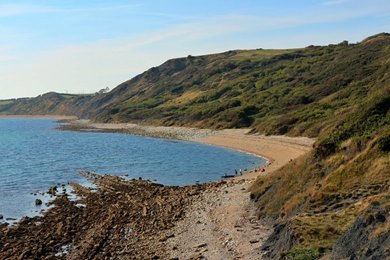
[(137, 219), (221, 222)]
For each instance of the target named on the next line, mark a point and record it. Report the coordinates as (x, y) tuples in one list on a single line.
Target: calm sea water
[(35, 156)]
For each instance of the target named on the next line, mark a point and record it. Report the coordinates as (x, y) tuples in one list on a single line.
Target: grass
[(321, 195), (301, 253), (6, 102), (186, 97), (320, 231)]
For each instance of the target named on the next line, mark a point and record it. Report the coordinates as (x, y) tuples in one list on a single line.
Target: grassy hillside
[(293, 92), (318, 198), (47, 104), (333, 201)]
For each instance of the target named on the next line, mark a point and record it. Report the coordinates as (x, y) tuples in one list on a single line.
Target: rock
[(38, 202), (166, 237), (254, 241), (1, 216), (359, 242), (134, 213), (201, 245), (52, 190), (281, 240)]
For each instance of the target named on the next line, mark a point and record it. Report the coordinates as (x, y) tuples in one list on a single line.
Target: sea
[(35, 156)]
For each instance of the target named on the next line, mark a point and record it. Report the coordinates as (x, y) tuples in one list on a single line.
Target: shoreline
[(275, 150), (221, 222), (55, 117), (266, 147), (210, 220)]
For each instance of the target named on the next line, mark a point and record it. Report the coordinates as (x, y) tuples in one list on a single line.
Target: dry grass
[(321, 231), (321, 199), (286, 188), (259, 54), (186, 97)]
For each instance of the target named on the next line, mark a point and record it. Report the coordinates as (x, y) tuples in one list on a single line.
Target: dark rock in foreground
[(121, 220), (368, 238)]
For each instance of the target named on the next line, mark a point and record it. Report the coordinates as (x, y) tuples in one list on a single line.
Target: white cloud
[(84, 68), (88, 67)]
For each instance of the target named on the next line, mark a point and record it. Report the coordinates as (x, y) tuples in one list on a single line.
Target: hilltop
[(333, 201)]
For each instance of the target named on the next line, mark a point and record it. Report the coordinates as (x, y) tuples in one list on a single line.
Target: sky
[(80, 47)]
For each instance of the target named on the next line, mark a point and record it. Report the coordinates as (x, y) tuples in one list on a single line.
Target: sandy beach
[(221, 222)]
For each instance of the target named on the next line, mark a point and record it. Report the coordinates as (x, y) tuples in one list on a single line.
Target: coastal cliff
[(331, 202)]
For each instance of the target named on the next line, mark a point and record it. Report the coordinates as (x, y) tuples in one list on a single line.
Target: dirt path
[(221, 223)]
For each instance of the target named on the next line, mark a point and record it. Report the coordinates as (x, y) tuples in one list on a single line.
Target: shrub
[(302, 254)]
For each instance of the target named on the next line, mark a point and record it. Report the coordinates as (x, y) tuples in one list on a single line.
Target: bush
[(384, 143), (302, 254)]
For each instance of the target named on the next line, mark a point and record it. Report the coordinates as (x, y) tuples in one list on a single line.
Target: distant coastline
[(55, 117)]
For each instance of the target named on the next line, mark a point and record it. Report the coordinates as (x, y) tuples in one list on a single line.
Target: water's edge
[(62, 185)]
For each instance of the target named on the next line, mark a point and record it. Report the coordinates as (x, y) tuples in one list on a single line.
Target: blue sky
[(83, 46)]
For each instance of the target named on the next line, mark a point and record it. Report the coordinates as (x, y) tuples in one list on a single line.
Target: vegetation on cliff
[(336, 200)]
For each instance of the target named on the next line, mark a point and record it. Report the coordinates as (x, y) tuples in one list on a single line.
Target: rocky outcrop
[(280, 241), (120, 220), (368, 238)]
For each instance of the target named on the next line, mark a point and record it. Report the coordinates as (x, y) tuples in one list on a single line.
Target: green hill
[(334, 201), (273, 91)]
